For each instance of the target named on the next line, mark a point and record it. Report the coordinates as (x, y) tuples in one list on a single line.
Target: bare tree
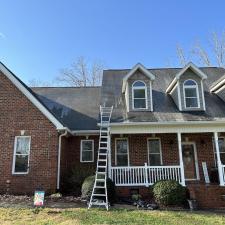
[(81, 74), (214, 53), (39, 83)]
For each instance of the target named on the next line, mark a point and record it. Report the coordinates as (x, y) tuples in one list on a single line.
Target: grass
[(97, 216)]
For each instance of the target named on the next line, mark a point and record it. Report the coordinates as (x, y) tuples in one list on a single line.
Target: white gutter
[(59, 157), (85, 132), (166, 123)]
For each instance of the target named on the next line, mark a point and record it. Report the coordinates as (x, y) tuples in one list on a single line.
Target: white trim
[(203, 95), (214, 149), (81, 150), (218, 85), (220, 89), (146, 96), (191, 66), (173, 89), (138, 66), (196, 158), (160, 149), (85, 132), (151, 98), (128, 155), (14, 156), (197, 93), (28, 94), (179, 141), (179, 97)]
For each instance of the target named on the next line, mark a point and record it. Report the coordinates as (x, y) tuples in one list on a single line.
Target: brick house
[(167, 123)]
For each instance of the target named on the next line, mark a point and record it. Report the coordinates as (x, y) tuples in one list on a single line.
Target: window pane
[(21, 164), (87, 145), (139, 93), (139, 84), (154, 159), (122, 160), (221, 144), (87, 156), (189, 82), (22, 145), (190, 92), (139, 103), (154, 146), (191, 102), (121, 146)]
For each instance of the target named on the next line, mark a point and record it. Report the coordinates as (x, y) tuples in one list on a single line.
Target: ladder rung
[(102, 160), (101, 166), (104, 195), (100, 187), (102, 154), (101, 172), (103, 142), (100, 180), (98, 203)]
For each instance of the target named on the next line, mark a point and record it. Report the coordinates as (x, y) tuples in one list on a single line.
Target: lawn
[(115, 216)]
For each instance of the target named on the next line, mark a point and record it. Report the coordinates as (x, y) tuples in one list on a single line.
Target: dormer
[(187, 90), (137, 88)]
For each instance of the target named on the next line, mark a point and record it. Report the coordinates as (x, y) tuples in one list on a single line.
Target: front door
[(190, 161)]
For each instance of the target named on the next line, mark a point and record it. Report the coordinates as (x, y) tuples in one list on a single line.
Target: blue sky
[(38, 38)]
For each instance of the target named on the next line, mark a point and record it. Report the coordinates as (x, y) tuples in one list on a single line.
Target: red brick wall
[(18, 113), (138, 151), (71, 155)]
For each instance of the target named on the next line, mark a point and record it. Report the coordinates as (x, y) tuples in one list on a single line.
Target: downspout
[(59, 157)]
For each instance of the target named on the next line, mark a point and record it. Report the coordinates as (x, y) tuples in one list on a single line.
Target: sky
[(38, 38)]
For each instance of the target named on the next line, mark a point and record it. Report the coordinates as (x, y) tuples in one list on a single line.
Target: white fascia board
[(169, 128), (85, 132), (216, 88), (28, 94), (140, 67)]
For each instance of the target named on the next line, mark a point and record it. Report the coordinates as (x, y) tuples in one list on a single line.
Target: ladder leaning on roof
[(99, 195)]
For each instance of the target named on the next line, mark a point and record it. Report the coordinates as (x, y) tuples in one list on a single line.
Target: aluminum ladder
[(99, 195)]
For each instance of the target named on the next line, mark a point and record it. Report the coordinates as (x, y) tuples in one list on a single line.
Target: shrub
[(169, 192), (73, 179), (88, 184)]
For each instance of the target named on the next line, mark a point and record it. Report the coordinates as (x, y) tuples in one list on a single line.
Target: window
[(139, 94), (154, 152), (191, 95), (87, 151), (21, 155), (122, 152), (221, 142)]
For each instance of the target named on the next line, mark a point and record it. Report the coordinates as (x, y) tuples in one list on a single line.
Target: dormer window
[(139, 95), (191, 94)]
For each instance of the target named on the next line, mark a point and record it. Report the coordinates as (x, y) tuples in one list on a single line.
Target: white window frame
[(128, 156), (191, 87), (81, 150), (214, 150), (160, 150), (14, 155), (139, 88)]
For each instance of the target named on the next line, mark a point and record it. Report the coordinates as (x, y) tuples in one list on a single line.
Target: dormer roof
[(191, 66), (137, 67)]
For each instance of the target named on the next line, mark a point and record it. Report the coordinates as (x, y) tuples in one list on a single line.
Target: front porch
[(177, 157)]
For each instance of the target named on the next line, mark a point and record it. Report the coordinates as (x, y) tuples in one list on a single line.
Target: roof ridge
[(67, 87)]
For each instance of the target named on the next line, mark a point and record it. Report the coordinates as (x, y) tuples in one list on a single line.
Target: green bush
[(169, 192), (88, 184), (74, 178)]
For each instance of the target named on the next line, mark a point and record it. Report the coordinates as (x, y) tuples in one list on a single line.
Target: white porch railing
[(144, 175)]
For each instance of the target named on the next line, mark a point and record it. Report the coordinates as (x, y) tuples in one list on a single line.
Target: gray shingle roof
[(164, 107), (76, 108)]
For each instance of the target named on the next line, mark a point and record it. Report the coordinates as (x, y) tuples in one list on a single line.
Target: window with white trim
[(139, 95), (122, 152), (221, 142), (154, 152), (87, 151), (21, 155), (191, 95)]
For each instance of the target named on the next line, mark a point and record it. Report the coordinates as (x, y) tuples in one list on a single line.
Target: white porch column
[(109, 156), (219, 164), (181, 159)]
